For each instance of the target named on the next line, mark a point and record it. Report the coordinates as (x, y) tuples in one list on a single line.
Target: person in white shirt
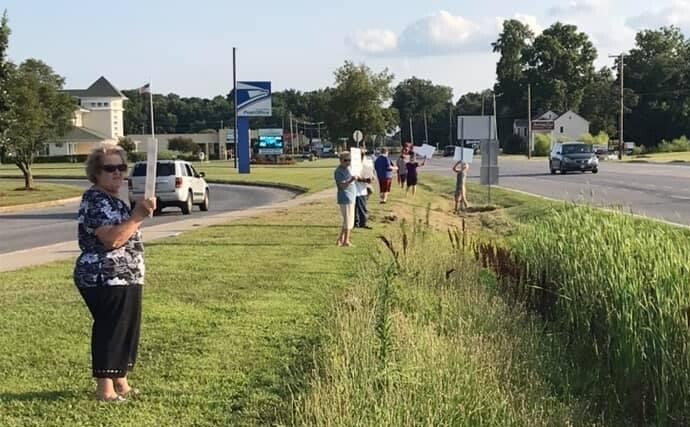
[(362, 192)]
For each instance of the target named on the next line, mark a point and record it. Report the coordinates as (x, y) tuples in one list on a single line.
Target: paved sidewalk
[(70, 250)]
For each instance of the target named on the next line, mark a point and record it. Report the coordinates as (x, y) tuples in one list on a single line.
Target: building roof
[(79, 134), (101, 88)]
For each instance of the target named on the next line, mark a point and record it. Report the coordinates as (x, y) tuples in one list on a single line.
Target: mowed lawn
[(682, 157), (231, 314), (309, 176), (12, 192)]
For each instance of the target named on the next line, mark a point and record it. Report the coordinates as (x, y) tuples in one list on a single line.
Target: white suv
[(177, 184)]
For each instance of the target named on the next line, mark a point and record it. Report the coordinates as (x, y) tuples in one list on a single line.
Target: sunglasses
[(112, 168)]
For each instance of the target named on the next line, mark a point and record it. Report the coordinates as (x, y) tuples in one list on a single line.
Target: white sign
[(356, 162), (368, 168), (254, 99), (427, 151), (476, 127), (357, 136), (467, 156), (151, 163)]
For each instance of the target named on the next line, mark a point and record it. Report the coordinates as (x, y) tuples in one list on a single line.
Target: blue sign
[(254, 99), (270, 145)]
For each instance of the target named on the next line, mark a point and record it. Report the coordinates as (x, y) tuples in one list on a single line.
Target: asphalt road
[(654, 190), (31, 229)]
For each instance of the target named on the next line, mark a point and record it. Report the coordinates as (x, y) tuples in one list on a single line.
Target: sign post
[(253, 100), (357, 136)]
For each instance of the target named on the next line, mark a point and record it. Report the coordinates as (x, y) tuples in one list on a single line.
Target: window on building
[(561, 129), (105, 104)]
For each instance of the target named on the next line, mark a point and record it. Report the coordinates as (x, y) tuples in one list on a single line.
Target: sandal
[(116, 399)]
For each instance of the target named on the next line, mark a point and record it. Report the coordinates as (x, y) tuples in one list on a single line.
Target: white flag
[(145, 89)]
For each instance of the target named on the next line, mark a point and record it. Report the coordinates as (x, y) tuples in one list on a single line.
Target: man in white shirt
[(362, 192)]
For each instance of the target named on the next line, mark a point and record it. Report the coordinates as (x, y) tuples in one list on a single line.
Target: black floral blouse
[(98, 266)]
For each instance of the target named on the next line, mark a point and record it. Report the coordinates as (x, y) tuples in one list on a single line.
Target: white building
[(98, 118), (569, 126)]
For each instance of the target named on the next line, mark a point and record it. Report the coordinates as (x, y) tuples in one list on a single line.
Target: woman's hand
[(144, 208)]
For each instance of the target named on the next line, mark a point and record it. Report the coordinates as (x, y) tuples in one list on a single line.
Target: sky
[(186, 47)]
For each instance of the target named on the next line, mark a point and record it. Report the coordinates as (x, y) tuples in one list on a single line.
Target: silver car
[(177, 184)]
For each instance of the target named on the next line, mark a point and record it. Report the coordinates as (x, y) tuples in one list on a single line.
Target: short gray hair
[(94, 163)]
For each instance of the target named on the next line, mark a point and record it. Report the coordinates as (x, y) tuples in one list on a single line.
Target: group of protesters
[(354, 190)]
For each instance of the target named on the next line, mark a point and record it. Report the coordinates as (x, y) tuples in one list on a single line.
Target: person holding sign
[(412, 177), (460, 170), (384, 173), (345, 183), (109, 273)]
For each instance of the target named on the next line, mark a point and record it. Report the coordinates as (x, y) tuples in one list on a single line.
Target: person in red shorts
[(384, 173)]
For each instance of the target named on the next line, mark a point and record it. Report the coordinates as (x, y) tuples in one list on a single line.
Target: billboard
[(271, 145), (254, 99), (542, 124)]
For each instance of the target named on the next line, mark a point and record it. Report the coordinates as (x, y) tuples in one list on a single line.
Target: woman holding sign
[(412, 176), (109, 273)]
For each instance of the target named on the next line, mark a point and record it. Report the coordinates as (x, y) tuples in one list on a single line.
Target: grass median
[(12, 193)]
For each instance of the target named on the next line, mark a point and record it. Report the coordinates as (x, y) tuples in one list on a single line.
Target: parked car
[(573, 156), (449, 151), (177, 184)]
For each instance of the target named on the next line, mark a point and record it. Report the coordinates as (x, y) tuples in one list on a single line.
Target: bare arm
[(343, 185), (455, 168)]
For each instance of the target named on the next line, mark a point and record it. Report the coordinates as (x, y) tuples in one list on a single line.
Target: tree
[(511, 84), (127, 144), (416, 98), (41, 113), (5, 69), (358, 101), (561, 65), (475, 103), (658, 71), (183, 145)]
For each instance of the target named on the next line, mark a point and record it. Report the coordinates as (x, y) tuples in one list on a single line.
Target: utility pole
[(319, 130), (529, 121), (483, 102), (426, 130), (411, 132), (621, 139), (292, 135)]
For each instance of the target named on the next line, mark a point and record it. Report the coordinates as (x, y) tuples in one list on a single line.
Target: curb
[(39, 205)]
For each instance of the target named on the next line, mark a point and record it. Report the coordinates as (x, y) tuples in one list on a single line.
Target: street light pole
[(621, 68)]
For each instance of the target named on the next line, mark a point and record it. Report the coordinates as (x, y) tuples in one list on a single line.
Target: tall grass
[(422, 339), (618, 287)]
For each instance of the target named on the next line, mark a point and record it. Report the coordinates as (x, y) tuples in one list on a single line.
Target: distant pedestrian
[(401, 164), (412, 174), (362, 185), (345, 183), (109, 273), (384, 173), (461, 168)]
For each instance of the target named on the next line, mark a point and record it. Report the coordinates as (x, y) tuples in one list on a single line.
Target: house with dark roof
[(566, 126), (98, 118)]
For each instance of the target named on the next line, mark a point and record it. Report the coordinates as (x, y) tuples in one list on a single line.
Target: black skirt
[(116, 312)]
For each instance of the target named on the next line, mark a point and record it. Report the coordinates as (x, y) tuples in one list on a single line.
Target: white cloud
[(677, 14), (579, 7), (529, 20), (439, 34), (374, 42)]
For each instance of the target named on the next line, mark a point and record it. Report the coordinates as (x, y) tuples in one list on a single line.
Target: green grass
[(681, 157), (230, 316), (12, 193), (266, 322), (308, 176)]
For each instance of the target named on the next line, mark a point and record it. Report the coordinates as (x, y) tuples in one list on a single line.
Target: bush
[(542, 144), (127, 144), (183, 145), (602, 139), (515, 144), (136, 157), (639, 150), (678, 145), (76, 158), (168, 155)]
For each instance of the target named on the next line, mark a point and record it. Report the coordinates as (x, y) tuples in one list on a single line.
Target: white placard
[(151, 163), (467, 157), (426, 151), (368, 168), (356, 162)]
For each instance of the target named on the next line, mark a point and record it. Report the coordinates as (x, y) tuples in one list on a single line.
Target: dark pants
[(361, 211), (116, 312)]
